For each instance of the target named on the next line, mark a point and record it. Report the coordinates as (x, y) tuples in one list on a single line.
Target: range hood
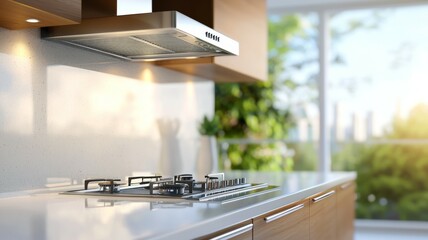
[(145, 37)]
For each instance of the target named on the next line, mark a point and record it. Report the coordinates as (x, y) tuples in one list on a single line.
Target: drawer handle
[(283, 213), (324, 196), (234, 233)]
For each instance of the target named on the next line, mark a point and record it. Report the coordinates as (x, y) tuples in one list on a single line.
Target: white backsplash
[(67, 114)]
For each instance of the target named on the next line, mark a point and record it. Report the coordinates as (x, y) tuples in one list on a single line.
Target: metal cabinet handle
[(324, 196), (283, 213), (234, 233)]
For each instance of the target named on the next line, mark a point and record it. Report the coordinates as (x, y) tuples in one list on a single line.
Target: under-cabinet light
[(32, 20)]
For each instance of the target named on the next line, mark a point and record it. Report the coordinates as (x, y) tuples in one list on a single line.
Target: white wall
[(67, 114)]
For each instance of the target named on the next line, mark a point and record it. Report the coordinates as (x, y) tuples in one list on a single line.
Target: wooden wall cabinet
[(323, 216), (242, 20), (288, 223), (14, 13)]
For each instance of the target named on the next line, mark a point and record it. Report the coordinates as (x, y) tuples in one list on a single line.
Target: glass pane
[(274, 124), (297, 75), (379, 108)]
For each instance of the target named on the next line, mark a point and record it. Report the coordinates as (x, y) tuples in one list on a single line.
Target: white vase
[(170, 162), (207, 160)]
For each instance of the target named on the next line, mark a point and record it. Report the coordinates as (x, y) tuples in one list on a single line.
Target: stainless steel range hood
[(144, 37)]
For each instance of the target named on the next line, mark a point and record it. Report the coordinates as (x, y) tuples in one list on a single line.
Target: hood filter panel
[(136, 47), (122, 46), (172, 43)]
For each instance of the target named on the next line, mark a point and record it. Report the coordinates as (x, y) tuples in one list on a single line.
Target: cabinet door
[(288, 223), (242, 20), (345, 211), (242, 231), (246, 22), (323, 216)]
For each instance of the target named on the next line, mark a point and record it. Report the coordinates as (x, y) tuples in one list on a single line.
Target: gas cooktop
[(183, 186)]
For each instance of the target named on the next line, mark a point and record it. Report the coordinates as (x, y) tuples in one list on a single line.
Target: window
[(379, 108)]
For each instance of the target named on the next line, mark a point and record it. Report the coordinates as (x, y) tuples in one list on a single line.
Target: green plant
[(264, 109), (394, 175), (209, 127)]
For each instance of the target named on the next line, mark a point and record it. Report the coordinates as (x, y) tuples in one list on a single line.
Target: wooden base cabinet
[(345, 211), (287, 223), (322, 217), (328, 215)]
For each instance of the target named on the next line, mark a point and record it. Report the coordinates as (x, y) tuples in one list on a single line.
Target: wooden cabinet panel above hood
[(14, 13), (242, 20)]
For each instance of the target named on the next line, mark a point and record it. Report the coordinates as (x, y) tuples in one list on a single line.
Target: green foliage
[(392, 178), (247, 110), (250, 110), (209, 127), (414, 206), (346, 156), (414, 127), (280, 33), (305, 156)]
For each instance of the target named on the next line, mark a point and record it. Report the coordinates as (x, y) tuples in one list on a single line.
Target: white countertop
[(54, 216)]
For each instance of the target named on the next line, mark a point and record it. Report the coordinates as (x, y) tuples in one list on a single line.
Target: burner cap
[(107, 183), (108, 186)]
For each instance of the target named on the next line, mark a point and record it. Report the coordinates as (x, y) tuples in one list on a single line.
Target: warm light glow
[(190, 57), (98, 103), (147, 75), (190, 102), (16, 95), (21, 49), (32, 20), (190, 89)]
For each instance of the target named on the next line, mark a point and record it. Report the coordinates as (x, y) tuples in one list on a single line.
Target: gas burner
[(106, 184), (172, 189), (186, 179)]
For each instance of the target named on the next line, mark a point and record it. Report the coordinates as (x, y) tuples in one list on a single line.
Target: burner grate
[(106, 184), (143, 179)]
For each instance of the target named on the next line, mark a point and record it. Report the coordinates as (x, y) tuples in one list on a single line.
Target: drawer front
[(242, 231), (323, 216), (345, 211), (288, 223)]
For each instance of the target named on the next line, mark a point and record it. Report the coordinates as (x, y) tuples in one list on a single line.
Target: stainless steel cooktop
[(215, 187)]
